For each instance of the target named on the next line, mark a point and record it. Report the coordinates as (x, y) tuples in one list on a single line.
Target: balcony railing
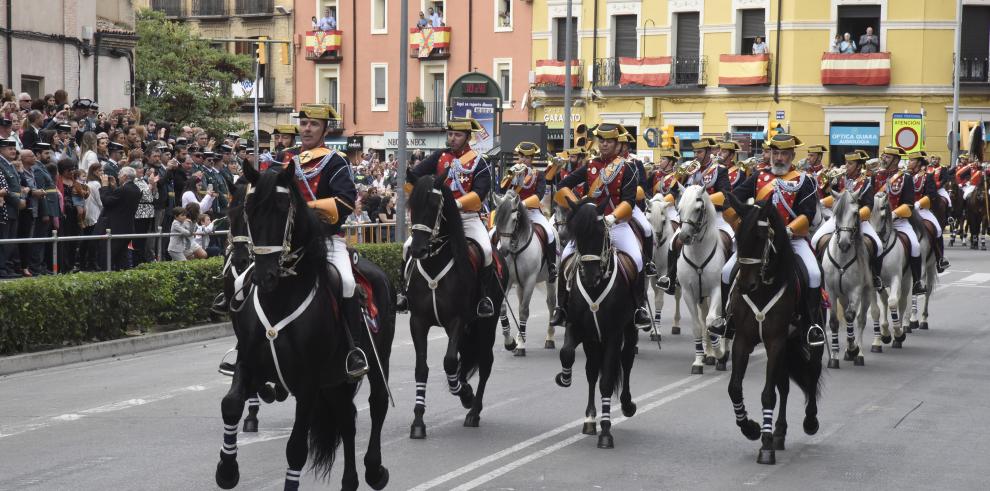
[(975, 70), (255, 7), (660, 73), (429, 43), (743, 70), (856, 69), (209, 8), (427, 115), (171, 8), (551, 74), (324, 46), (336, 125)]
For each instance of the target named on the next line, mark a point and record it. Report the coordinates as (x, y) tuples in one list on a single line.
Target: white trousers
[(968, 190), (866, 228), (903, 225), (623, 239), (536, 216), (338, 257), (474, 230), (929, 217), (641, 219), (945, 194), (802, 249)]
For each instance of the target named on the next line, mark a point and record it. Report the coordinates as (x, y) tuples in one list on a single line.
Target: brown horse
[(976, 215)]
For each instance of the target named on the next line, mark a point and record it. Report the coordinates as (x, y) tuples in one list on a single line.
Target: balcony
[(430, 43), (550, 74), (868, 69), (743, 70), (255, 8), (974, 70), (426, 115), (651, 73), (209, 8), (171, 8), (324, 46), (336, 126)]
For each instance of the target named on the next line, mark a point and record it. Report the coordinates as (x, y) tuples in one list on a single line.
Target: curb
[(114, 348)]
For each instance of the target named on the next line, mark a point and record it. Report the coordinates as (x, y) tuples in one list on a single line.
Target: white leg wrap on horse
[(727, 269), (902, 225), (537, 217), (929, 217), (476, 231), (337, 255), (624, 240), (641, 219), (722, 225), (803, 251), (867, 229)]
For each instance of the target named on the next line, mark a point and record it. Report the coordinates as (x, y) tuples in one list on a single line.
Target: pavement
[(909, 419)]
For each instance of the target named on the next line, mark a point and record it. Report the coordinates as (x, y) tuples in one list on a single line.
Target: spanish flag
[(856, 69), (651, 72), (743, 70)]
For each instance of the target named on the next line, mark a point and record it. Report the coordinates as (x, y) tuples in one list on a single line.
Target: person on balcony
[(328, 22), (869, 43), (836, 46), (847, 46), (759, 46), (422, 23)]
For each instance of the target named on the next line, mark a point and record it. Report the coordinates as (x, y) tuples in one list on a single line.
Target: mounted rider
[(665, 180), (926, 192), (859, 183), (469, 177), (970, 175), (892, 180), (626, 141), (814, 165), (709, 174), (941, 175), (727, 151), (793, 195), (573, 158), (531, 185), (611, 181)]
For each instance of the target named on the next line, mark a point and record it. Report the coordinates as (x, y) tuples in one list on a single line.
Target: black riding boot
[(550, 257), (485, 306), (356, 363), (559, 316), (918, 288), (668, 282), (813, 317), (641, 318), (649, 269), (941, 264), (876, 267), (722, 328), (401, 303)]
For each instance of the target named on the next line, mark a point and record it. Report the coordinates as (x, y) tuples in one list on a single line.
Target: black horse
[(600, 309), (443, 289), (763, 304), (296, 339)]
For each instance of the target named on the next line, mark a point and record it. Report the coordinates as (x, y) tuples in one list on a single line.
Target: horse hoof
[(606, 441), (281, 393), (250, 425), (266, 393), (227, 478), (897, 344), (417, 432), (466, 394), (472, 420), (833, 363), (911, 326), (589, 428), (510, 346), (810, 425), (720, 366), (654, 337), (885, 339), (549, 344), (847, 356), (859, 361), (876, 348), (750, 429), (381, 482), (778, 443), (923, 326), (561, 381), (767, 457), (629, 410), (697, 369), (709, 360), (675, 330), (519, 352)]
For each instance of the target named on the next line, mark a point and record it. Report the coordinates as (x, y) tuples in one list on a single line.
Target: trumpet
[(687, 168), (831, 174), (748, 165), (872, 166), (803, 165)]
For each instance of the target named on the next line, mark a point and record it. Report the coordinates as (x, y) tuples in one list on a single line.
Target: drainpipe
[(594, 50), (10, 46), (96, 66), (354, 62), (776, 61)]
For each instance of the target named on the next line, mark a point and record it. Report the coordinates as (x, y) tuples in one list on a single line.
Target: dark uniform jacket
[(327, 178), (477, 179), (800, 199)]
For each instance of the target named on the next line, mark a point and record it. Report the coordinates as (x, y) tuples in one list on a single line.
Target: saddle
[(475, 255), (541, 236), (726, 244), (364, 290), (626, 267)]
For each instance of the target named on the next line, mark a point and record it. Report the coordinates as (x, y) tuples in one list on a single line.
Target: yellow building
[(689, 64)]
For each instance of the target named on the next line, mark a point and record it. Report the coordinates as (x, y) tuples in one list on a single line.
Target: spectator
[(48, 210), (836, 46), (435, 20), (386, 213), (328, 22), (32, 133), (94, 208), (358, 216), (759, 47), (73, 196), (371, 203), (189, 195), (26, 218), (5, 194), (195, 218), (144, 215), (422, 23), (120, 205), (7, 133), (24, 101), (181, 245), (847, 46), (868, 43), (202, 238), (88, 151), (315, 26)]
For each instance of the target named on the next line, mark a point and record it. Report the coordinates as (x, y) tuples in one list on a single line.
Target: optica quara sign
[(867, 136)]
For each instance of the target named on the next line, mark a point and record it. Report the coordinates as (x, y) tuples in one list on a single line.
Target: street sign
[(780, 115), (652, 137), (907, 129)]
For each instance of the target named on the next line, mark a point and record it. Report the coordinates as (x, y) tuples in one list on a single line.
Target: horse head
[(881, 218), (697, 214), (761, 244), (846, 221), (508, 216), (434, 216), (586, 224), (239, 250)]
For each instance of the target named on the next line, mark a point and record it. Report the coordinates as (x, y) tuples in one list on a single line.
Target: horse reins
[(761, 314), (435, 238), (609, 262)]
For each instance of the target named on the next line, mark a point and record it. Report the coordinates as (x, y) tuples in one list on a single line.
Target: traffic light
[(580, 136), (965, 130), (284, 53), (668, 137), (774, 131), (262, 50)]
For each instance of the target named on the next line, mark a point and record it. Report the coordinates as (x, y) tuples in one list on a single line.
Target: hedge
[(61, 310)]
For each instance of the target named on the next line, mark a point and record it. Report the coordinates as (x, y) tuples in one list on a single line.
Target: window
[(856, 19), (975, 44), (757, 136), (751, 26), (503, 75), (379, 87), (379, 16), (503, 15), (439, 8), (687, 134), (626, 42), (325, 5), (687, 63), (33, 85), (328, 87), (560, 37)]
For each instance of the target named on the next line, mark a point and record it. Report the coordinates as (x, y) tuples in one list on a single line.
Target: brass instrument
[(748, 165), (687, 168), (871, 166), (802, 165), (831, 174)]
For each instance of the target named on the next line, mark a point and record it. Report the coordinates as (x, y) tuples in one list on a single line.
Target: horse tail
[(805, 372), (329, 412), (470, 360)]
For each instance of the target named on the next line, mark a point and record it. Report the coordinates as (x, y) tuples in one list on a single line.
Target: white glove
[(609, 220), (790, 233), (459, 205)]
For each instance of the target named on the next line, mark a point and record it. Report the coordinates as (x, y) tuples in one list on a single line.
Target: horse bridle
[(514, 247), (605, 256), (437, 241), (763, 261), (287, 255), (698, 226)]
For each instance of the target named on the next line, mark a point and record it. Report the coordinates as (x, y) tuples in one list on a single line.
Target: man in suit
[(119, 206), (14, 199), (48, 209), (869, 43)]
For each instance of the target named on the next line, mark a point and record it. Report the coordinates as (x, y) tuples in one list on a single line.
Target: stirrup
[(642, 320), (650, 268), (485, 308), (666, 284), (227, 368), (878, 283), (355, 373), (401, 303), (558, 317), (815, 328), (220, 304), (718, 327)]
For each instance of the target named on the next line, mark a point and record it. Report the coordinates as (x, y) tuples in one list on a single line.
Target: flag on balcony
[(651, 72), (551, 72), (856, 69), (425, 40), (319, 43), (743, 70)]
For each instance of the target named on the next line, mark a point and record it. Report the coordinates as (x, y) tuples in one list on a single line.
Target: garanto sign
[(556, 120)]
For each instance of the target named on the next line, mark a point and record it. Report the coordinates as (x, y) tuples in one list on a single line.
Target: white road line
[(975, 278)]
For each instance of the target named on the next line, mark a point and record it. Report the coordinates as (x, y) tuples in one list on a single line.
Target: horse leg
[(456, 383), (657, 308), (251, 420), (563, 378), (775, 354), (715, 350), (676, 328), (231, 407), (628, 355), (924, 313), (833, 326), (740, 360), (611, 364), (551, 304), (780, 428), (896, 322), (913, 320), (375, 474), (884, 307), (591, 368), (346, 413), (508, 341), (419, 331), (698, 367), (485, 361), (297, 448), (524, 293)]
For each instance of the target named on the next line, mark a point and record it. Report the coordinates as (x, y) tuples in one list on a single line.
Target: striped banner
[(651, 72), (551, 72), (856, 69), (320, 42), (743, 70), (428, 39)]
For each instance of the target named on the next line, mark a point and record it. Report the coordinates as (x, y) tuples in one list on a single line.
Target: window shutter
[(562, 38), (380, 86), (625, 36), (752, 23), (688, 38)]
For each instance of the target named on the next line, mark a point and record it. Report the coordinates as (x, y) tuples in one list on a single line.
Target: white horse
[(523, 255), (896, 275), (847, 279), (662, 215), (700, 272)]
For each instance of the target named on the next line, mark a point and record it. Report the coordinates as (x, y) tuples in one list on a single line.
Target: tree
[(180, 78)]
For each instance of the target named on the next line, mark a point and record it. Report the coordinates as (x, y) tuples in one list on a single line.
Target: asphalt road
[(909, 419)]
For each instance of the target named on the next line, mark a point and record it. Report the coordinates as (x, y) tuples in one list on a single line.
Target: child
[(179, 244), (203, 231)]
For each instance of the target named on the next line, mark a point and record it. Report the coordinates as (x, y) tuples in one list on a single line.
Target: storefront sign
[(483, 110), (556, 119), (907, 130), (864, 136), (416, 141)]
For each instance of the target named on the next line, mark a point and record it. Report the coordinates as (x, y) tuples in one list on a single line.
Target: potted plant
[(418, 110)]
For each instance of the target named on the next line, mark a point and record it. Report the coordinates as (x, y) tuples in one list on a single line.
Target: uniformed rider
[(626, 141), (531, 185), (727, 151), (926, 193), (970, 175), (892, 180)]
